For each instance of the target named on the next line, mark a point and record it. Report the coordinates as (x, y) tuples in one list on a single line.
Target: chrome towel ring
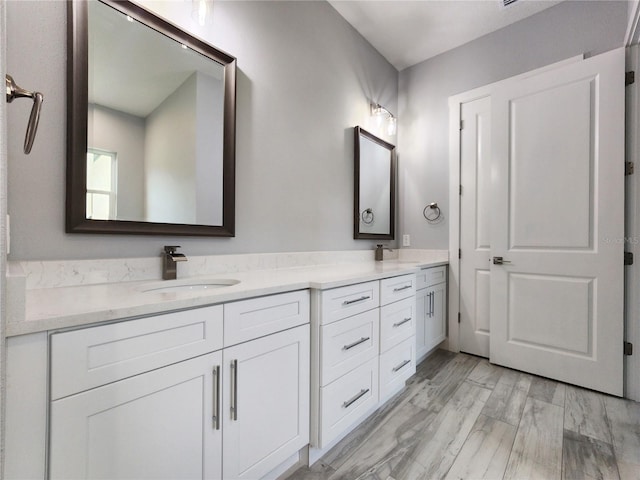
[(432, 212)]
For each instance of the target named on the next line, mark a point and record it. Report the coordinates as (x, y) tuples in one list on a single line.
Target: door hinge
[(629, 78), (628, 258), (628, 348), (628, 168), (458, 317), (460, 191), (461, 124), (459, 253)]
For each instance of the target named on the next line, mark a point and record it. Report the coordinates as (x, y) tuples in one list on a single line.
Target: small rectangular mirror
[(374, 188)]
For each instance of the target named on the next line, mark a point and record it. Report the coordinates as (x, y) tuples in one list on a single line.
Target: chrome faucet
[(380, 252), (169, 259)]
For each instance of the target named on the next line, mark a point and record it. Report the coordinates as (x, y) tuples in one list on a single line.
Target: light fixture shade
[(392, 125), (381, 114)]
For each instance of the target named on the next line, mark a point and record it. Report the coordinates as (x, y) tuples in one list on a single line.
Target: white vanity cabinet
[(181, 399), (360, 335), (431, 300)]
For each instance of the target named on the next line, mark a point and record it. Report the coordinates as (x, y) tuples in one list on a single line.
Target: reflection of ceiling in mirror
[(115, 77)]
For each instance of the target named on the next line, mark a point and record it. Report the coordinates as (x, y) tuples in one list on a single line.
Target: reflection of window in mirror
[(101, 184)]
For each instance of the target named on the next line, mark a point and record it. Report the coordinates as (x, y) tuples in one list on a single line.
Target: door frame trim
[(455, 104)]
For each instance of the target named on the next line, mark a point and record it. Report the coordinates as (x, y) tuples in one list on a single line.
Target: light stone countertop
[(75, 306)]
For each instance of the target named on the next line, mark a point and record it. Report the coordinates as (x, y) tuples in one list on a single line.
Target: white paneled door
[(557, 206), (475, 219)]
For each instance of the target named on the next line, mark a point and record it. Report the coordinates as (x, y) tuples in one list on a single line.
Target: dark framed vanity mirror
[(150, 126), (374, 188)]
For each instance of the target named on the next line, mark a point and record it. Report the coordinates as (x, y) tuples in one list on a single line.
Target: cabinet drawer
[(346, 400), (87, 358), (397, 322), (343, 302), (257, 317), (347, 344), (431, 276), (396, 366), (396, 288)]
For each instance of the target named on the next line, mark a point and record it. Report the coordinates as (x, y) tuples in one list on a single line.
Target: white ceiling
[(407, 32), (133, 68)]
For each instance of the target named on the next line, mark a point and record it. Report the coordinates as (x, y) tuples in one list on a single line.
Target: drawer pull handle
[(216, 397), (356, 300), (362, 393), (395, 369), (399, 289), (402, 322), (431, 296), (234, 390), (356, 343)]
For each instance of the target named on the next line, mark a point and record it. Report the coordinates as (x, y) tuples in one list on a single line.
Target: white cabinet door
[(436, 328), (422, 307), (157, 425), (431, 328), (265, 402), (558, 223)]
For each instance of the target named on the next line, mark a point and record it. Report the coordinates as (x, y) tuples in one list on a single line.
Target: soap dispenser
[(379, 253)]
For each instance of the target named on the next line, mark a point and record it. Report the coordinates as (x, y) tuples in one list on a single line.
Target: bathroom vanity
[(227, 382)]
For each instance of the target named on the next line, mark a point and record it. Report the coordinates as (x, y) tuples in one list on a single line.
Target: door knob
[(499, 261)]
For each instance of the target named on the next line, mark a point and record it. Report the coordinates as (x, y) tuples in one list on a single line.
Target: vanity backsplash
[(68, 273)]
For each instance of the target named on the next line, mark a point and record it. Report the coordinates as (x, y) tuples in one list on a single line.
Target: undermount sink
[(188, 285)]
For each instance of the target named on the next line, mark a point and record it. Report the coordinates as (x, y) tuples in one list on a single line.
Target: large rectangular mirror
[(151, 125), (374, 199)]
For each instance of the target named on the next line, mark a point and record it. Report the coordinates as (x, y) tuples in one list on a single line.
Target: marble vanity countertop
[(75, 306)]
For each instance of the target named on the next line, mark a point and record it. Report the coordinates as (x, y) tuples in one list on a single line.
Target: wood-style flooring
[(462, 418)]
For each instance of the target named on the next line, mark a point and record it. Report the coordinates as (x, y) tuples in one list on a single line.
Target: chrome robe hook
[(13, 92)]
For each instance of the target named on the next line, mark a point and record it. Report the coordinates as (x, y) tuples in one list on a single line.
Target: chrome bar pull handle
[(433, 303), (216, 397), (356, 343), (406, 362), (402, 322), (234, 390), (357, 397), (13, 92), (399, 289), (349, 302), (433, 296)]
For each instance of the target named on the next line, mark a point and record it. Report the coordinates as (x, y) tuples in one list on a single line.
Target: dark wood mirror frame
[(360, 132), (77, 106)]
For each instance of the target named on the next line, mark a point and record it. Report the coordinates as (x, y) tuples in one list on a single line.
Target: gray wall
[(170, 157), (120, 132), (568, 29), (305, 80)]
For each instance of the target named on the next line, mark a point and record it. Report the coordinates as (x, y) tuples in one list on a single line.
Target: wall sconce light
[(381, 114), (202, 11)]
